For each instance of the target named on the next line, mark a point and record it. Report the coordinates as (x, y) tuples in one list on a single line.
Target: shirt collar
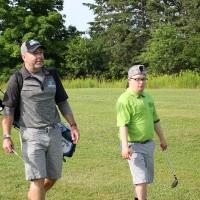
[(26, 73), (135, 94)]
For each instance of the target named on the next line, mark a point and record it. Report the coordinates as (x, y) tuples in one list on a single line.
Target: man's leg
[(36, 190), (48, 183), (141, 191), (39, 187)]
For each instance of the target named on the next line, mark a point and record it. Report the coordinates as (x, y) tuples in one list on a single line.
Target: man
[(137, 120), (39, 118)]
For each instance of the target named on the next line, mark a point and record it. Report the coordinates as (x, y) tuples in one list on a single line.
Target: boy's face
[(137, 83)]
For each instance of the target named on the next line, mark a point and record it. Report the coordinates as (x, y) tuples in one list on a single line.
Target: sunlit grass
[(97, 171)]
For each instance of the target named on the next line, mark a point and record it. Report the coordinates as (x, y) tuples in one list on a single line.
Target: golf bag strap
[(19, 80)]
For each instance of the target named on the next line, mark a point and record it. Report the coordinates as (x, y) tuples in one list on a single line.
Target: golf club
[(17, 155), (175, 182)]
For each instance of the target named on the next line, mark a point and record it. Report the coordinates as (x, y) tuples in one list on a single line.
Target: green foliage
[(122, 27), (4, 76), (163, 35), (163, 51), (191, 52), (39, 19), (169, 51), (85, 58), (164, 12), (174, 45)]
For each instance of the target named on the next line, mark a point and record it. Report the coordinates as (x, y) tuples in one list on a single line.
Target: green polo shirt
[(138, 113)]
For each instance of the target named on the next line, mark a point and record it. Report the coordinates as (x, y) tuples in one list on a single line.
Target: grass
[(97, 172)]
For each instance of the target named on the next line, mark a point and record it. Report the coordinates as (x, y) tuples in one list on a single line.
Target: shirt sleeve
[(123, 114), (65, 108), (12, 95), (155, 114), (61, 94)]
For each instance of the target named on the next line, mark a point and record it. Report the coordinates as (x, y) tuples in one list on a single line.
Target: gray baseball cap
[(30, 46), (136, 70)]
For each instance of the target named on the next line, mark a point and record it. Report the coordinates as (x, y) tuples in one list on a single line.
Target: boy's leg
[(141, 191)]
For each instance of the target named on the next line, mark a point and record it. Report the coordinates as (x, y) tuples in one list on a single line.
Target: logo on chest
[(51, 83)]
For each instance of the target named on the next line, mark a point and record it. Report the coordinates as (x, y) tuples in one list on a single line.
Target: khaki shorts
[(142, 162), (42, 152)]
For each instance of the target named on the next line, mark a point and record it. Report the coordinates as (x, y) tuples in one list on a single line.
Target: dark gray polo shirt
[(38, 98)]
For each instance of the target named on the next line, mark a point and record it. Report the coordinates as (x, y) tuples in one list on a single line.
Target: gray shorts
[(42, 152), (142, 162)]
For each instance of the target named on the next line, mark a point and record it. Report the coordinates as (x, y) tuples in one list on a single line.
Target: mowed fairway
[(97, 172)]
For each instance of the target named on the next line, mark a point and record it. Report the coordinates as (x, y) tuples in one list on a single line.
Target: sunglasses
[(139, 79)]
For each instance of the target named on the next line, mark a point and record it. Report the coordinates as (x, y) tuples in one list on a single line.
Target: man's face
[(33, 61), (137, 83)]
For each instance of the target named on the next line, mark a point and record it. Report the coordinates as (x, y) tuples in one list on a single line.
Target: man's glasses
[(139, 79)]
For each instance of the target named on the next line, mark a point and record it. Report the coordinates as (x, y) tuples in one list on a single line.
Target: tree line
[(162, 34)]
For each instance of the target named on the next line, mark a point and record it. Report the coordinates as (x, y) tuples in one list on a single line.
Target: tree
[(164, 12), (175, 37), (163, 53), (40, 19), (123, 28), (84, 58)]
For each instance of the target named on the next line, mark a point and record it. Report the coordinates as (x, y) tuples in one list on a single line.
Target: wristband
[(6, 136)]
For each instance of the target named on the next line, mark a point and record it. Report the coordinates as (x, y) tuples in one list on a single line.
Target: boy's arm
[(126, 152), (160, 135)]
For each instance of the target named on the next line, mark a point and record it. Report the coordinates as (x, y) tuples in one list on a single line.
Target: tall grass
[(94, 83), (183, 80)]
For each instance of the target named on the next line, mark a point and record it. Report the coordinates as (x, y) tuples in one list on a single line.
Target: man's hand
[(126, 153), (8, 145), (75, 134)]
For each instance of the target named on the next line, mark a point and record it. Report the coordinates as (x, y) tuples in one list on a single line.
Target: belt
[(141, 142), (47, 128)]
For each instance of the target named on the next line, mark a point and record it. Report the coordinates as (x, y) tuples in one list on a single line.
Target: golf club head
[(175, 182)]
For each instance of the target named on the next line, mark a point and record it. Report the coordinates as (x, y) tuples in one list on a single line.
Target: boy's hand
[(163, 145), (126, 153)]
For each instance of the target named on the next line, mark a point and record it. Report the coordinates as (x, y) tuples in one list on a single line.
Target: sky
[(77, 14)]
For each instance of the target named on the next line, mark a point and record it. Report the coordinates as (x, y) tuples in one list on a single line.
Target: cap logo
[(33, 42), (30, 46), (141, 67)]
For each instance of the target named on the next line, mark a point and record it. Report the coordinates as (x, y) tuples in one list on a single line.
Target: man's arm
[(7, 122), (66, 111), (160, 135), (126, 152)]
